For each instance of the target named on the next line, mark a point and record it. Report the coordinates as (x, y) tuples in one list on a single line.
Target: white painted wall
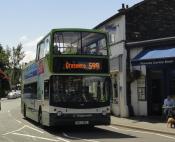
[(140, 107), (117, 49)]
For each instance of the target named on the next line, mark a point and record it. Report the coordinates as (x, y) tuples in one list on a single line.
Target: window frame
[(82, 48), (39, 47)]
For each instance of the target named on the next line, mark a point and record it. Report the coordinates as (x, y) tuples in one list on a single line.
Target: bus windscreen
[(86, 43)]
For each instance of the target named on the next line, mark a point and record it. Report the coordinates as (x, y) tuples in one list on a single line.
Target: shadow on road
[(86, 133), (83, 132)]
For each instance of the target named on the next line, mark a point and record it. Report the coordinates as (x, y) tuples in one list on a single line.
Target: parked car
[(12, 95), (18, 93)]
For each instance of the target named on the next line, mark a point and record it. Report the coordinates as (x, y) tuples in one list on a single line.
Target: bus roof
[(77, 29)]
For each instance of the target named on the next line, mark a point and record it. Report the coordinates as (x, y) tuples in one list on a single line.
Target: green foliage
[(10, 60), (16, 58), (5, 66), (4, 58)]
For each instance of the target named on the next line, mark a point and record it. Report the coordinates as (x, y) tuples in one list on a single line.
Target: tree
[(4, 66), (16, 58), (10, 64), (4, 58)]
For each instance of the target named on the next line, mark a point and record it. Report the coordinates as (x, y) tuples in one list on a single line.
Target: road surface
[(14, 128)]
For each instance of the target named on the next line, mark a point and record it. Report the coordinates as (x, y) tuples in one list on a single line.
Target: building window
[(111, 30)]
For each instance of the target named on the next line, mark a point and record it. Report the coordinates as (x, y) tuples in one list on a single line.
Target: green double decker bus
[(69, 82)]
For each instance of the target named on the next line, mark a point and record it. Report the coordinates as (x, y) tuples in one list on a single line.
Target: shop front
[(159, 78)]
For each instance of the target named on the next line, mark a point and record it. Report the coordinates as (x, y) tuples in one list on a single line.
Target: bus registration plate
[(81, 122)]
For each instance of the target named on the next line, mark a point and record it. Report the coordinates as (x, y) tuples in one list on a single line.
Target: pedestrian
[(168, 103)]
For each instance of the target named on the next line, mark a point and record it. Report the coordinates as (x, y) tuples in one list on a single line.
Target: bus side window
[(46, 89), (41, 50), (30, 91)]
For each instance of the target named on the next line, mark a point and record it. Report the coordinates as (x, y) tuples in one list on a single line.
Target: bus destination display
[(85, 66), (77, 65)]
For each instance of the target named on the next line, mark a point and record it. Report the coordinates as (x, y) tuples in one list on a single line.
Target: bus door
[(30, 93), (46, 92)]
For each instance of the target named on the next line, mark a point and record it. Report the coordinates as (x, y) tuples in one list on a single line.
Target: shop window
[(141, 89)]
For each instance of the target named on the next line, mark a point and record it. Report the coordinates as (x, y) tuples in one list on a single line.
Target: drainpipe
[(128, 82)]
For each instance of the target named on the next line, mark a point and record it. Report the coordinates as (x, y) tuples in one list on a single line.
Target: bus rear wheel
[(24, 111), (40, 117)]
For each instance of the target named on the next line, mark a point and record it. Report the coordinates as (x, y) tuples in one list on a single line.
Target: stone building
[(142, 44)]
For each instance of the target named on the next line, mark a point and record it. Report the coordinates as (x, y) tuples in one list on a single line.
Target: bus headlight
[(104, 112), (59, 113)]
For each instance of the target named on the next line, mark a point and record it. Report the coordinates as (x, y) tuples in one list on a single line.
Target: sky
[(27, 21)]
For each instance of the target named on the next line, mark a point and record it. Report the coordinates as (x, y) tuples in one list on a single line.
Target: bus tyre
[(24, 111), (40, 117)]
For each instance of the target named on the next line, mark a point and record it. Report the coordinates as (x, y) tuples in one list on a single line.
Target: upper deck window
[(43, 48), (86, 43)]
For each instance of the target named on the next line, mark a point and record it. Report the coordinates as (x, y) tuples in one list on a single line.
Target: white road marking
[(18, 121), (165, 136), (34, 129), (79, 138), (14, 130), (23, 128), (144, 132), (59, 138), (36, 137)]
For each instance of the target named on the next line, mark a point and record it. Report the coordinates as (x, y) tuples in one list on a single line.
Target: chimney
[(123, 6), (122, 9)]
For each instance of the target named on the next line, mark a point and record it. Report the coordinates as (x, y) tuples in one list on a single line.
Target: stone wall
[(150, 19)]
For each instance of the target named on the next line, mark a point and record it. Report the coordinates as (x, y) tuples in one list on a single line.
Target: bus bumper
[(79, 119)]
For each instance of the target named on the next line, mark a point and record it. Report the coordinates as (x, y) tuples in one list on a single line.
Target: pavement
[(3, 99), (150, 124)]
